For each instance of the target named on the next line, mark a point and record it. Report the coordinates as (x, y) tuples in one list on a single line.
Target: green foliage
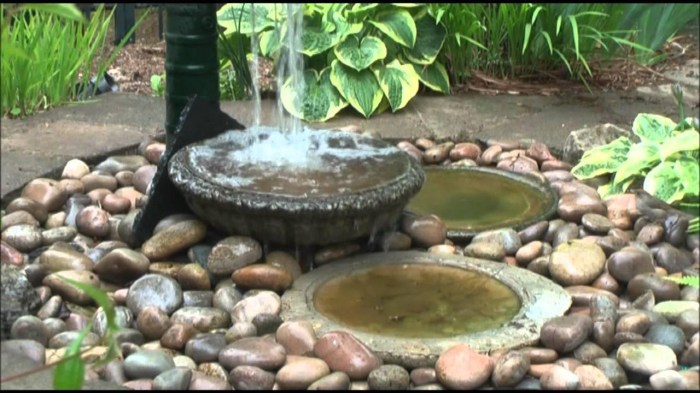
[(70, 372), (158, 85), (48, 51), (691, 281), (694, 225), (509, 39), (665, 159), (370, 56)]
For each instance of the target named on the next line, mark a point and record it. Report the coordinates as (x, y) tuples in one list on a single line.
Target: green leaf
[(359, 88), (70, 374), (652, 128), (434, 76), (398, 25), (360, 55), (360, 11), (602, 159), (399, 82), (231, 14), (270, 42), (319, 101), (663, 182), (315, 41), (683, 141), (430, 38), (689, 172), (607, 190), (64, 10), (640, 157)]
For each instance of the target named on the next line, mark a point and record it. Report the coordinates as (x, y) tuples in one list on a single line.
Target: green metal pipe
[(191, 60)]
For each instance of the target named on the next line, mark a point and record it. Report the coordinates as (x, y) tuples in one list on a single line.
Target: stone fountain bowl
[(312, 187)]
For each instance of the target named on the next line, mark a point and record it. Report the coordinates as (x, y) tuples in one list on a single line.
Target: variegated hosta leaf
[(399, 82), (652, 128), (315, 41), (434, 76), (270, 41), (664, 183), (407, 5), (360, 11), (318, 102), (360, 55), (689, 172), (602, 159), (429, 40), (607, 190), (397, 25), (682, 141), (230, 14), (640, 157), (359, 88)]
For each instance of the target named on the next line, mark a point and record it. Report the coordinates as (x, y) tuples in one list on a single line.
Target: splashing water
[(291, 65)]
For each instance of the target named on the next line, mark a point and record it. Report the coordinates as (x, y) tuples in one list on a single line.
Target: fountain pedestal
[(314, 187)]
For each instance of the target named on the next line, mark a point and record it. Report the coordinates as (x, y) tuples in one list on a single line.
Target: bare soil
[(137, 62)]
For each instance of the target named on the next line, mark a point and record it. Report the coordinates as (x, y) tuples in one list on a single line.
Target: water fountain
[(291, 185)]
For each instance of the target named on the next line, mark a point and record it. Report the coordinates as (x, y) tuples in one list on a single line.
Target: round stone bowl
[(540, 300), (313, 187), (471, 200)]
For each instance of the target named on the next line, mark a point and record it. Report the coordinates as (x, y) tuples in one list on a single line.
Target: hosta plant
[(370, 56), (665, 160)]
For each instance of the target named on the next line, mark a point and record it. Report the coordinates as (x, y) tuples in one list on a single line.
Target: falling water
[(291, 65), (256, 70)]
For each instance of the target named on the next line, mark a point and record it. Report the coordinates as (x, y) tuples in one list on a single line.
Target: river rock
[(177, 336), (121, 266), (564, 334), (233, 253), (675, 228), (36, 209), (143, 177), (61, 234), (261, 302), (484, 250), (612, 370), (573, 205), (153, 322), (588, 351), (125, 178), (689, 322), (116, 164), (388, 377), (592, 378), (425, 231), (94, 181), (262, 276), (671, 258), (668, 380), (661, 288), (465, 150), (668, 335), (203, 319), (173, 239), (334, 381), (29, 327), (46, 192), (154, 290), (75, 169), (528, 252), (60, 256), (645, 358), (123, 318), (251, 378), (510, 369), (177, 378), (23, 237), (559, 378), (519, 164), (253, 351), (576, 263), (488, 157), (67, 291), (411, 149), (343, 352), (507, 238), (115, 204), (336, 251), (460, 367), (580, 141), (205, 347), (629, 262), (596, 223), (193, 276), (19, 217), (302, 372), (533, 232), (147, 364), (297, 337)]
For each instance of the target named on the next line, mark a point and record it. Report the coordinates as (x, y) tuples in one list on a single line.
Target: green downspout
[(191, 60)]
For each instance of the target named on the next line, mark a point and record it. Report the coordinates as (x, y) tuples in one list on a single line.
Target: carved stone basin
[(314, 187)]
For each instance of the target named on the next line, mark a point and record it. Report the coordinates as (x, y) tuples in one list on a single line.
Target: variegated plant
[(370, 56), (665, 159)]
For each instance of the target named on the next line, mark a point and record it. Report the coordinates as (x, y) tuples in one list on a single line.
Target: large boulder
[(584, 139)]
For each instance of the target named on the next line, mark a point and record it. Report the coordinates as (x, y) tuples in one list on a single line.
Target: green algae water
[(417, 301), (476, 200)]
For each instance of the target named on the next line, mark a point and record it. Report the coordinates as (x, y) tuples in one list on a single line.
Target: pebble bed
[(199, 310)]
